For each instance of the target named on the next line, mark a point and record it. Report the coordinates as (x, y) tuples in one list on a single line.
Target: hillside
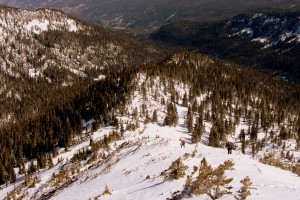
[(88, 113), (268, 40), (129, 152), (145, 15), (46, 53)]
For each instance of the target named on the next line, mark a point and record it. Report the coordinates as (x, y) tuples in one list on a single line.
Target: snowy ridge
[(17, 25), (52, 48), (131, 168), (36, 21), (270, 29)]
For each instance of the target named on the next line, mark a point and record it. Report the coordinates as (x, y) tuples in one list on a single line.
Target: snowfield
[(133, 166), (127, 179)]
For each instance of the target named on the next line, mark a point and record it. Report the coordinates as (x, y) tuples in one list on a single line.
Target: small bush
[(106, 191)]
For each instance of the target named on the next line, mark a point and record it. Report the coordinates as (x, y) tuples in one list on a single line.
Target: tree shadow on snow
[(145, 188)]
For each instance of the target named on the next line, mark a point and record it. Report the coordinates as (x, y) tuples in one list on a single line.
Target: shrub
[(211, 181), (244, 192), (175, 171)]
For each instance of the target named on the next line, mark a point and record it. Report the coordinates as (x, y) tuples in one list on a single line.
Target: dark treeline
[(37, 136)]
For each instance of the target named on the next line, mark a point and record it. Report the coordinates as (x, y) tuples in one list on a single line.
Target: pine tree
[(253, 133), (3, 176), (189, 120), (184, 100), (175, 171), (171, 118), (243, 147), (212, 182), (214, 138), (198, 130), (242, 137), (244, 192), (154, 116), (202, 184)]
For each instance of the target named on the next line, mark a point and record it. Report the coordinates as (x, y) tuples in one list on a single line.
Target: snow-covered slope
[(36, 21), (132, 166)]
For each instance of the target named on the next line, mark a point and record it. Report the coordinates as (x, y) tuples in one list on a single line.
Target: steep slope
[(46, 50), (148, 15), (133, 159), (268, 39)]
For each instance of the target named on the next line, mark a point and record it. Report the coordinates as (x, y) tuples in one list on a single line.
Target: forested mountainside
[(78, 100), (219, 96), (46, 53), (269, 39), (146, 15)]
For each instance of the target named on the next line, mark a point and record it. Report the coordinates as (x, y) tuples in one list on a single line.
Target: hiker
[(230, 146), (182, 143)]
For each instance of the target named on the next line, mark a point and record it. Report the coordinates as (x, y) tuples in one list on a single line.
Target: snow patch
[(101, 77), (72, 25), (272, 19), (248, 31), (261, 40), (37, 26), (34, 73), (285, 36)]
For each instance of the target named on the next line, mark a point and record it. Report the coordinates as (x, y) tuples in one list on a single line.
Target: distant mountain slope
[(146, 15), (47, 50), (269, 39)]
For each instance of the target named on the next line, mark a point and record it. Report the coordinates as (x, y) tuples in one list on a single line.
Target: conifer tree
[(212, 182), (171, 118), (214, 138), (189, 120), (197, 131), (154, 116), (253, 133), (244, 192), (3, 176), (184, 100)]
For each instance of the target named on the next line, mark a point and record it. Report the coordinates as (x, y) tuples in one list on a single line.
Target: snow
[(155, 155), (247, 30), (100, 77), (78, 72), (257, 15), (72, 25), (261, 40), (37, 26), (34, 73), (285, 36), (149, 150), (272, 19), (170, 17)]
